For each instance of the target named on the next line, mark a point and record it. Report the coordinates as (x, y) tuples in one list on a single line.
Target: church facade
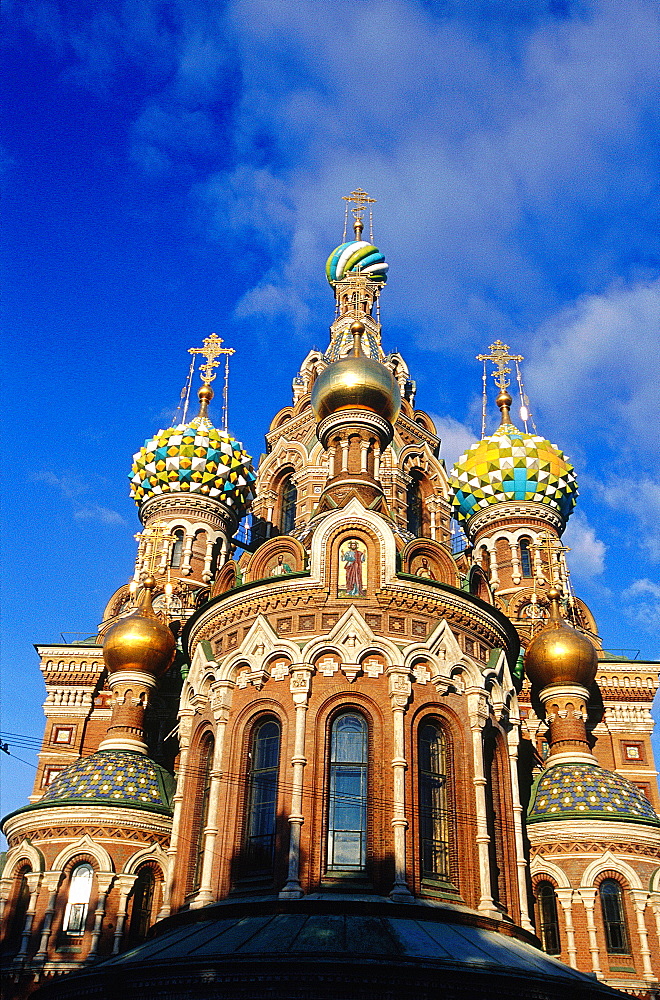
[(344, 720)]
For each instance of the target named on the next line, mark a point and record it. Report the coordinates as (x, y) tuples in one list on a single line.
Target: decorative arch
[(154, 854), (84, 846), (281, 417), (23, 853), (428, 560), (609, 866), (353, 520), (278, 557), (541, 867), (228, 578), (479, 585)]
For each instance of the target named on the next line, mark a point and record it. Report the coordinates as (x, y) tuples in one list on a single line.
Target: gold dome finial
[(211, 349), (360, 199), (140, 641), (559, 654), (499, 355), (357, 329)]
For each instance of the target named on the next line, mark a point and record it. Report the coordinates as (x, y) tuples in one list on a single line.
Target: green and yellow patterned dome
[(582, 790), (511, 465), (194, 458)]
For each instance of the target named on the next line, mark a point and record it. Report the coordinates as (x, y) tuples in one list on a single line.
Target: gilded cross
[(211, 349), (359, 199), (499, 355)]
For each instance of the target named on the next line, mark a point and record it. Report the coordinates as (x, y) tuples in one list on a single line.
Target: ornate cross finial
[(499, 355), (211, 350), (360, 200)]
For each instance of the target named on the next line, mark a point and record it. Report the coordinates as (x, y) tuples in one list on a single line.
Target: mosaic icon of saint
[(425, 571), (281, 568), (354, 559)]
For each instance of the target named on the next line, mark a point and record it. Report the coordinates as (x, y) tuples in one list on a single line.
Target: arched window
[(525, 556), (347, 811), (201, 807), (414, 505), (289, 500), (142, 904), (80, 888), (433, 825), (262, 797), (177, 548), (546, 902), (614, 919), (20, 900)]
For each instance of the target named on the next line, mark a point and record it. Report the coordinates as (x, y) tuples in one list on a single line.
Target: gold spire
[(360, 200), (211, 349), (499, 355)]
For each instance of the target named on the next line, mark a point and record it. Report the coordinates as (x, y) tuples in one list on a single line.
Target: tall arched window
[(546, 902), (80, 888), (414, 505), (433, 825), (201, 807), (177, 548), (289, 500), (263, 775), (614, 918), (142, 904), (347, 812), (20, 900), (525, 556)]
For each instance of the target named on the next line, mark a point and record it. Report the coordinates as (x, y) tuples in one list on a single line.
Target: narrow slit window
[(289, 504), (614, 920), (347, 813), (546, 901), (525, 557), (177, 548)]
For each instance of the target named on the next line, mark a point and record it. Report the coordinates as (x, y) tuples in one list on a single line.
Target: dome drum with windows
[(194, 458)]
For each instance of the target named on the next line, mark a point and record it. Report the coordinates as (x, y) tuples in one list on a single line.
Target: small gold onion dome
[(560, 654), (140, 641), (356, 382)]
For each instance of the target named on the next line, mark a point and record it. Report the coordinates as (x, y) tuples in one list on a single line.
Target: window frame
[(620, 922), (334, 866), (78, 908), (426, 874), (548, 923), (256, 779)]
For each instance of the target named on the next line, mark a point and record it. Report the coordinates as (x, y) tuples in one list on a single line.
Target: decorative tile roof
[(356, 256), (579, 791), (511, 465), (115, 777), (193, 458)]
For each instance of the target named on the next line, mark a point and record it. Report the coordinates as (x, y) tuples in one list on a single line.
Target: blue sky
[(173, 169)]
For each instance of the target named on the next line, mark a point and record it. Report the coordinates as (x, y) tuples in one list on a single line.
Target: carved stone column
[(300, 686), (103, 880), (640, 899), (185, 731), (33, 880), (51, 883), (588, 897), (221, 696), (565, 897), (125, 884), (187, 555), (478, 712), (513, 739), (400, 689)]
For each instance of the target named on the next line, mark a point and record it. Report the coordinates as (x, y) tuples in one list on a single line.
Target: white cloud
[(455, 436), (639, 499), (643, 603), (587, 556), (97, 513)]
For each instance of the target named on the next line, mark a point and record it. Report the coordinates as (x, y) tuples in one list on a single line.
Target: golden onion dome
[(356, 382), (140, 641), (560, 654)]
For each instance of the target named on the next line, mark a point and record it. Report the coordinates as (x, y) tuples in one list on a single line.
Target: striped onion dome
[(356, 257)]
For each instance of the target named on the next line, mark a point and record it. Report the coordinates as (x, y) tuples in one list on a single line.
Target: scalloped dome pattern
[(193, 458), (512, 465), (578, 791), (356, 256), (115, 777)]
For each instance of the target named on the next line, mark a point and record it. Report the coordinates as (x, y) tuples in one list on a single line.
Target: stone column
[(185, 731), (376, 460), (565, 897), (103, 880), (344, 455), (125, 884), (513, 739), (331, 462), (300, 686), (588, 897), (51, 882), (640, 899), (33, 880), (516, 572), (400, 689), (208, 559), (187, 554), (221, 695), (478, 712)]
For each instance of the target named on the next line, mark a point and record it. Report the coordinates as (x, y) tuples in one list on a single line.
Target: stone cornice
[(24, 823)]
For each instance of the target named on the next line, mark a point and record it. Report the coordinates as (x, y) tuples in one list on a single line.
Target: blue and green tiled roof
[(193, 458), (587, 791), (512, 465), (113, 777)]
